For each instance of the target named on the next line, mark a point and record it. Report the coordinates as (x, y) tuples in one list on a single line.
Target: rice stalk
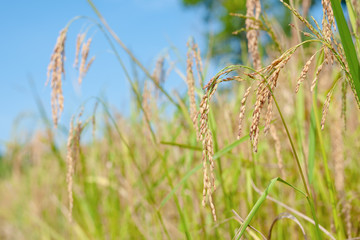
[(191, 86), (198, 62), (70, 167), (159, 73), (72, 156), (79, 40), (253, 9), (55, 72), (304, 71), (84, 67), (318, 71), (146, 106), (327, 23), (242, 111), (326, 106), (208, 152), (268, 116)]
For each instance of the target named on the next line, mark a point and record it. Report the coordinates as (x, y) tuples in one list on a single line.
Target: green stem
[(177, 203), (137, 166), (307, 189), (338, 229), (227, 198)]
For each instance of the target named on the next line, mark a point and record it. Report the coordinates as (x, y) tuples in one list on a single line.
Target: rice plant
[(266, 149)]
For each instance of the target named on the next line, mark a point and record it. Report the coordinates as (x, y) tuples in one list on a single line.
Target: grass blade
[(180, 145), (348, 45), (230, 147), (312, 147), (199, 166), (286, 215), (182, 181), (259, 202)]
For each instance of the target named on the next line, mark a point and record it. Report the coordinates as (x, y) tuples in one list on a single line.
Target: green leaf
[(312, 147), (180, 145), (348, 45), (230, 147), (259, 202), (198, 167)]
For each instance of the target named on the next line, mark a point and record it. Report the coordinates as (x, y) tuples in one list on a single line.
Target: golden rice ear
[(328, 16), (327, 23), (84, 56), (54, 75), (242, 111), (260, 100), (208, 150), (356, 6), (318, 71), (304, 72), (146, 107), (325, 109), (158, 73), (198, 62), (79, 41), (252, 33), (268, 115), (56, 70), (72, 155), (70, 167), (191, 87)]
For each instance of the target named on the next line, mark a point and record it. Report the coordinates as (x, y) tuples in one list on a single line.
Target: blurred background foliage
[(225, 44)]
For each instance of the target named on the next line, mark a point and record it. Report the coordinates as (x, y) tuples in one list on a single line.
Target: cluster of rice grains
[(56, 70), (332, 50), (203, 132), (73, 150), (252, 34), (193, 53), (266, 79), (85, 47)]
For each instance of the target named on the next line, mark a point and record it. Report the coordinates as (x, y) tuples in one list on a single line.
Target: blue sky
[(30, 29)]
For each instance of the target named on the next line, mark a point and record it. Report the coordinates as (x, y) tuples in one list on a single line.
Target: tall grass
[(139, 177)]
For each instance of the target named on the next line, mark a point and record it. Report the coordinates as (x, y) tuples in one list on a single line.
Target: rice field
[(265, 149)]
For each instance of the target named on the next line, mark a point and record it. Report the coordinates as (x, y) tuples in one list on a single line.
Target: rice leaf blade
[(349, 48), (199, 166), (260, 201)]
